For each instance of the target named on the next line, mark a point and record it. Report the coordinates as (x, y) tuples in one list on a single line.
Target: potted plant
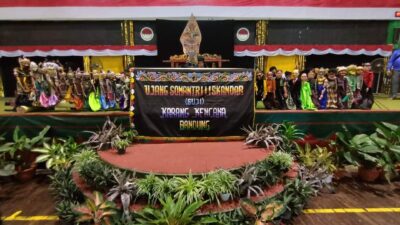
[(120, 145), (227, 184), (19, 151), (360, 151), (387, 137), (220, 184)]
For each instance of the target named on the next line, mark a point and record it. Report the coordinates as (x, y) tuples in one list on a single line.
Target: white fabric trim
[(201, 13), (279, 51), (106, 52)]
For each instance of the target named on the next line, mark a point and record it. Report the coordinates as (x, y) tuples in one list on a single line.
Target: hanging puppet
[(345, 96), (331, 90), (322, 84), (25, 83)]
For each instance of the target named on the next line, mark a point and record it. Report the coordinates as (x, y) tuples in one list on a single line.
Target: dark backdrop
[(60, 33), (327, 32), (217, 38)]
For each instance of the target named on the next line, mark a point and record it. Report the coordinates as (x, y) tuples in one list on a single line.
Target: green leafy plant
[(317, 167), (174, 212), (264, 136), (145, 187), (248, 182), (97, 174), (316, 157), (280, 161), (129, 135), (290, 134), (21, 145), (162, 187), (295, 196), (189, 188), (58, 154), (218, 183), (65, 211), (96, 210), (125, 189), (358, 150), (387, 137), (85, 156), (120, 144), (63, 187)]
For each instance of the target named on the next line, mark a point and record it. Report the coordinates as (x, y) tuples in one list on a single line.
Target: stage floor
[(184, 158)]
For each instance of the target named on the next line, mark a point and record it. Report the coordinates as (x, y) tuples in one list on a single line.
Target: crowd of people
[(318, 88)]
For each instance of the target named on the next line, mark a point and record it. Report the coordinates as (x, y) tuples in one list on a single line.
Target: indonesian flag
[(205, 9)]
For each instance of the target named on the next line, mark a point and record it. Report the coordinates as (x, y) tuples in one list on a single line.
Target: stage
[(320, 123)]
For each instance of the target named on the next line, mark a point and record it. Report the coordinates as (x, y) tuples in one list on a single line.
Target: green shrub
[(63, 187), (97, 174), (190, 189), (145, 187)]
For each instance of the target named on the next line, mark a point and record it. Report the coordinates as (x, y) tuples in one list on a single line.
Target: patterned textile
[(193, 76), (332, 94)]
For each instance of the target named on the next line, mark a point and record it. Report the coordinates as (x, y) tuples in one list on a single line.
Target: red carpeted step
[(184, 158)]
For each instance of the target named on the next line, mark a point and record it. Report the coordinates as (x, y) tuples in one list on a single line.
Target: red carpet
[(182, 158)]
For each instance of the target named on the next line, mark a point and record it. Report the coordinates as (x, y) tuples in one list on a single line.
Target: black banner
[(193, 102)]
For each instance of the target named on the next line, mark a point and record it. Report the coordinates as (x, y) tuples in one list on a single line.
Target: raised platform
[(319, 123), (184, 158)]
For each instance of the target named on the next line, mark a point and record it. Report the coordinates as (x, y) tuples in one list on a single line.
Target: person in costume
[(366, 91), (269, 91), (322, 84), (25, 83), (294, 88), (331, 90), (345, 96), (305, 93), (281, 92)]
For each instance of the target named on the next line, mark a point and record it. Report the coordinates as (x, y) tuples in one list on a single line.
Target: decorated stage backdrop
[(181, 102)]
